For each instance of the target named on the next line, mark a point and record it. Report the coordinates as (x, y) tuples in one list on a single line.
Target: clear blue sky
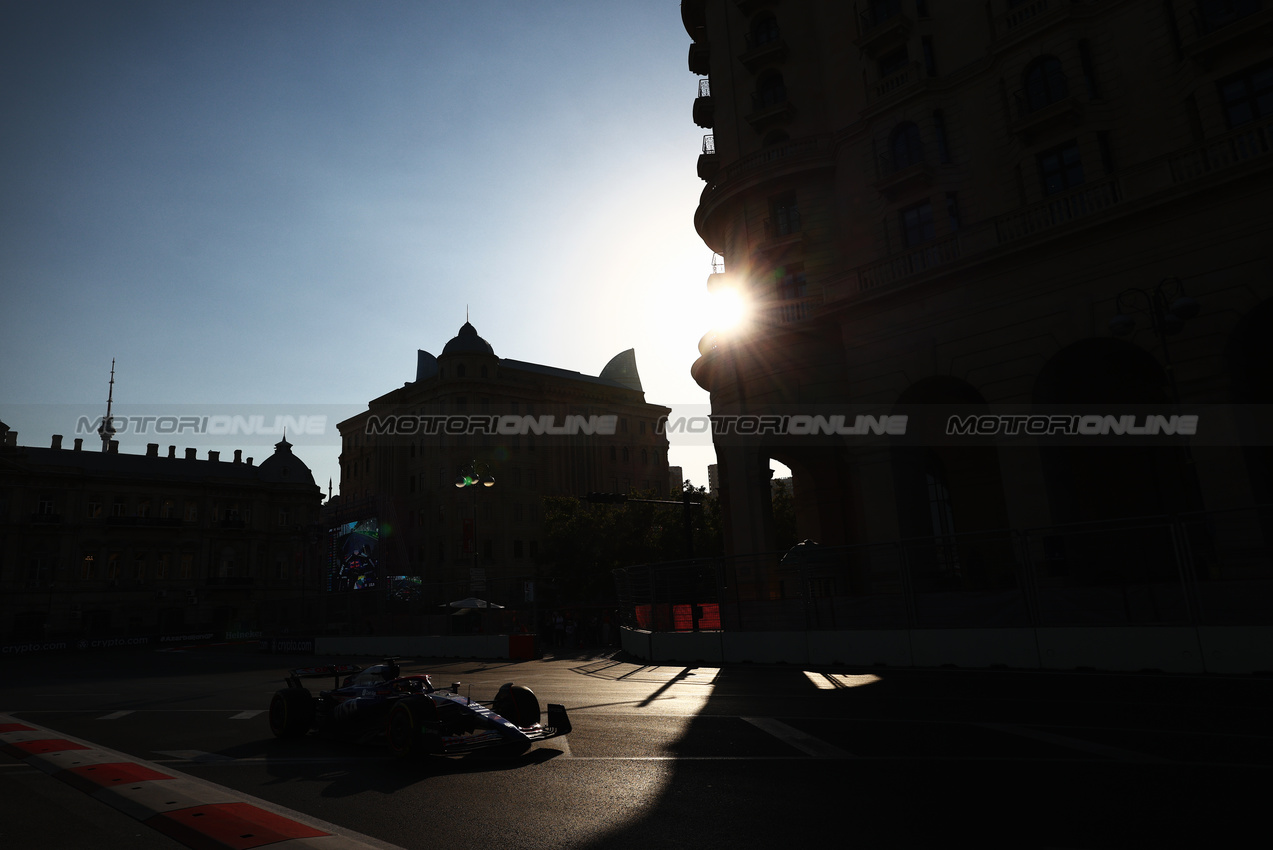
[(278, 203)]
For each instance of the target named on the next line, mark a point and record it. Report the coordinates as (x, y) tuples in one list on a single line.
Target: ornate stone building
[(524, 430), (1018, 205), (103, 544)]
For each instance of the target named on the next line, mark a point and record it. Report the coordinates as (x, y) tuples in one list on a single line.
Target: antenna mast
[(107, 429)]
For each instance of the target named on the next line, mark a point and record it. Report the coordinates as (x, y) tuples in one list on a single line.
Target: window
[(905, 146), (917, 224), (791, 282), (143, 508), (764, 30), (784, 216), (881, 10), (118, 508), (952, 211), (939, 130), (88, 568), (459, 370), (161, 566), (1219, 13), (1060, 168), (167, 510), (930, 64), (192, 512), (770, 91), (1044, 83), (1089, 73), (94, 509), (45, 506), (891, 63), (1247, 96), (517, 549), (187, 566)]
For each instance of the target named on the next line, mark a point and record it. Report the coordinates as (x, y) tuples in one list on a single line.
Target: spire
[(107, 429)]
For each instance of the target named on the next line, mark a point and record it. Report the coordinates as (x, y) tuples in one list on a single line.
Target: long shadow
[(940, 758)]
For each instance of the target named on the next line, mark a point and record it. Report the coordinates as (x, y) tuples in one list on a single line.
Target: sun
[(728, 308)]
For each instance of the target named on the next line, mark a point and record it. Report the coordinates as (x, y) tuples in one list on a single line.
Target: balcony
[(1057, 210), (899, 83), (717, 278), (1220, 26), (897, 179), (1232, 149), (704, 108), (908, 263), (1025, 18), (765, 47), (1030, 122), (700, 59), (708, 161), (882, 27), (769, 107)]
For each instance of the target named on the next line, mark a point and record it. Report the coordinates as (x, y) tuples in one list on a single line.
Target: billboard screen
[(353, 555)]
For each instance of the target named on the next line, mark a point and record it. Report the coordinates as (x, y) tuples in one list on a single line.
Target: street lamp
[(1166, 306)]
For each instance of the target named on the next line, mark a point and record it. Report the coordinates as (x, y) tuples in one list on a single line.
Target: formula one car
[(378, 704)]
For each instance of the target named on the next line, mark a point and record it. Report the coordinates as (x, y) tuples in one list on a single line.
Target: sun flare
[(729, 309)]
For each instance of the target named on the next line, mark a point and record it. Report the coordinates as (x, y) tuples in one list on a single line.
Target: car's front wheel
[(411, 727), (291, 712)]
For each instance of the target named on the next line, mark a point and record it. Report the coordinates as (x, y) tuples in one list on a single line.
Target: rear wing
[(295, 676)]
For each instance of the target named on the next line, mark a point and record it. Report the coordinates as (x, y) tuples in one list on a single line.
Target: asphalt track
[(659, 757)]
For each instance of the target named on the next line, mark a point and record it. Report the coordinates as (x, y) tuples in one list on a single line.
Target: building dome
[(284, 467), (468, 342)]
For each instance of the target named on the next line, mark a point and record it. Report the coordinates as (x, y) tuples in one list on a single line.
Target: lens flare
[(729, 309)]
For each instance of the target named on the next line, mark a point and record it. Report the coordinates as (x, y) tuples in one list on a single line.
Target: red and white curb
[(201, 815)]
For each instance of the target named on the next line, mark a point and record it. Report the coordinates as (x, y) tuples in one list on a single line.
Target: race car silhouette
[(378, 704)]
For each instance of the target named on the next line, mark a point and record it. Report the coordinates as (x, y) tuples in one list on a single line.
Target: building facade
[(519, 431), (1018, 207), (102, 544)]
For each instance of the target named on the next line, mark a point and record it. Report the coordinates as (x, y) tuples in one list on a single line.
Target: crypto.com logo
[(220, 425)]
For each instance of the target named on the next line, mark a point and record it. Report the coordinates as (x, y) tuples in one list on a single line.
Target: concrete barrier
[(1172, 649)]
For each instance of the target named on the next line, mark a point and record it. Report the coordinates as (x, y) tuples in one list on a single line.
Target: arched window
[(905, 146), (770, 90), (1044, 83), (764, 30)]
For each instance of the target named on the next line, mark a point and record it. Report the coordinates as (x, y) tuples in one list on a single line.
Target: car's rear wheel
[(291, 712), (411, 727), (517, 704)]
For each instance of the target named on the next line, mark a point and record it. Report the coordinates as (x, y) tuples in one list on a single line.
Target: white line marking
[(115, 715), (794, 737), (247, 715), (1076, 743)]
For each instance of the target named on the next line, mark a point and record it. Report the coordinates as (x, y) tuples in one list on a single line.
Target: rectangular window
[(161, 566), (192, 512), (118, 508), (1061, 168), (94, 509), (187, 566), (45, 506), (88, 567), (893, 62), (930, 64), (1089, 73), (917, 224), (139, 568), (792, 282), (1247, 96), (784, 216), (952, 211), (939, 130)]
